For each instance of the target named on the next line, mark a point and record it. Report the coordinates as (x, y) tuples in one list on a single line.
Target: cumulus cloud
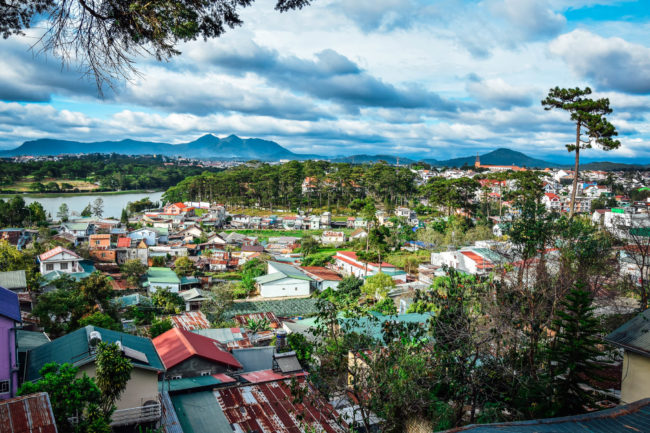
[(497, 93), (610, 63), (532, 19)]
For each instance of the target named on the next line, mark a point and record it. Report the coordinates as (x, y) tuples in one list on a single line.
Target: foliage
[(159, 327), (70, 396), (101, 320), (133, 269), (303, 348), (386, 306), (63, 212), (167, 301), (183, 266), (377, 286), (14, 213), (255, 326), (87, 211), (309, 245), (98, 207), (451, 194), (221, 298), (113, 371)]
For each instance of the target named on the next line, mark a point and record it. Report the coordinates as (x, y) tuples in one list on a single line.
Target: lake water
[(113, 203)]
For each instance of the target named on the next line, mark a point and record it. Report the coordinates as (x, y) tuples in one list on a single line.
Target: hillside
[(500, 156)]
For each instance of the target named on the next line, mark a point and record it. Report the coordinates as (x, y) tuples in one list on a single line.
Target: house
[(140, 401), (9, 318), (99, 242), (348, 263), (16, 281), (15, 236), (326, 219), (194, 298), (100, 248), (358, 234), (552, 202), (632, 337), (148, 235), (313, 222), (474, 261), (332, 238), (186, 354), (80, 230), (60, 259), (168, 251), (323, 278), (178, 209), (162, 278), (30, 413), (240, 220), (283, 280)]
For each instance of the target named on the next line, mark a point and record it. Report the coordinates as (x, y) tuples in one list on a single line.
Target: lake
[(113, 203)]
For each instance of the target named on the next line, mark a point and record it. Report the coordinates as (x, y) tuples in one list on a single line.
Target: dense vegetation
[(109, 172)]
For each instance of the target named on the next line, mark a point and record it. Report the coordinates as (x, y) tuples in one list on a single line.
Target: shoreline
[(74, 194)]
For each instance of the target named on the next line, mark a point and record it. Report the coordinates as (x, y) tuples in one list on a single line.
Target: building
[(162, 278), (99, 242), (60, 259), (323, 278), (552, 202), (347, 263), (478, 164), (634, 338), (140, 401), (178, 209), (148, 235), (187, 354), (16, 281), (283, 280), (9, 318), (80, 230), (332, 238)]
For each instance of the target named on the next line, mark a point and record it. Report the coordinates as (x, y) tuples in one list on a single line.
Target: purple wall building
[(9, 318)]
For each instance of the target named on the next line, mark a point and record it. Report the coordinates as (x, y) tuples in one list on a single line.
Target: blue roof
[(633, 417), (255, 358), (9, 305)]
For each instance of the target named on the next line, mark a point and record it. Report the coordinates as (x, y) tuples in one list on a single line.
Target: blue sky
[(425, 78)]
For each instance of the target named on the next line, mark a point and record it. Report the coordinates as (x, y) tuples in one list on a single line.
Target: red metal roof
[(190, 321), (350, 257), (262, 376), (322, 273), (177, 345), (123, 242), (54, 251), (270, 407), (224, 378), (481, 263), (30, 413)]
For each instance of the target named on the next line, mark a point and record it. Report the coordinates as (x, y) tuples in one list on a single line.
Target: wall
[(193, 367), (174, 288), (8, 356), (142, 387), (103, 255), (636, 378), (285, 287)]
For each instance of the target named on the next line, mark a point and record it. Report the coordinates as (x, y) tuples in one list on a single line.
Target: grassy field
[(264, 235), (399, 258), (74, 194), (24, 184)]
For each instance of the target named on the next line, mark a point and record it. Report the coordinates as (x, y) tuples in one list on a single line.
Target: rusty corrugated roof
[(26, 414)]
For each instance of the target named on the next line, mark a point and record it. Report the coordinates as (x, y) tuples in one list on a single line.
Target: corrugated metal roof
[(231, 337), (190, 321), (26, 414), (13, 280), (74, 348), (27, 340), (177, 345), (162, 275), (169, 422), (199, 412), (634, 335), (255, 358), (634, 417), (9, 305), (281, 308), (269, 407), (243, 319)]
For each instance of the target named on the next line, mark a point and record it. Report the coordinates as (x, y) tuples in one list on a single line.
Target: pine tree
[(573, 353)]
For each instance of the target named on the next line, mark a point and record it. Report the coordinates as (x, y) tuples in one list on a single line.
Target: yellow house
[(634, 338)]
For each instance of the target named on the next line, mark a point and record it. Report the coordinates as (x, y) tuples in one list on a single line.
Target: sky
[(417, 78)]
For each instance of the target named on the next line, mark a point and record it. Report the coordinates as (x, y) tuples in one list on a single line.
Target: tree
[(133, 270), (87, 211), (574, 352), (159, 327), (377, 286), (63, 212), (221, 298), (105, 37), (71, 397), (303, 348), (124, 218), (167, 301), (101, 320), (592, 127), (309, 245), (183, 267), (37, 213), (98, 207), (113, 371)]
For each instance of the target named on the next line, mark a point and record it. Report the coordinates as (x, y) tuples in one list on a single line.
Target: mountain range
[(210, 146)]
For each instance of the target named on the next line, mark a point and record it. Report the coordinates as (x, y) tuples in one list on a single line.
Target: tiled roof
[(54, 251), (27, 414), (634, 335), (177, 345), (634, 417), (350, 257)]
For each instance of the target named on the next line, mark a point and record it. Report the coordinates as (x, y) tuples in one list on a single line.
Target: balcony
[(136, 415)]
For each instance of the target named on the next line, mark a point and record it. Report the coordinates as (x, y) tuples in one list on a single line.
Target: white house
[(348, 263), (80, 230), (474, 261), (333, 238), (552, 202), (323, 278), (283, 280), (162, 278), (60, 259), (149, 235)]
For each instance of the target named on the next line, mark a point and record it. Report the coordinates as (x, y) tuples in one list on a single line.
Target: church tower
[(477, 164)]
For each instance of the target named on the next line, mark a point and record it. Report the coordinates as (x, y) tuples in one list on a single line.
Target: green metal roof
[(13, 280), (634, 335), (76, 226), (27, 340), (373, 326), (200, 412), (282, 271), (74, 348), (281, 308), (162, 275), (188, 383)]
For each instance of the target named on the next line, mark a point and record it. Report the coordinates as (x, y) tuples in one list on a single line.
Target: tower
[(477, 164)]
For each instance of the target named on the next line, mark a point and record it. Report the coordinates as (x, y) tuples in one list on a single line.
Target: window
[(97, 242), (49, 267), (4, 386), (64, 266)]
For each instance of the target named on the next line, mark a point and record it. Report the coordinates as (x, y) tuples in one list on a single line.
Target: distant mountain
[(496, 157), (369, 159), (207, 146)]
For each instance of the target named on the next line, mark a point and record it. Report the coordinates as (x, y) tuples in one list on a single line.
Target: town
[(258, 317)]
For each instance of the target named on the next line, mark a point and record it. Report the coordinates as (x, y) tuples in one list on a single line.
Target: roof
[(13, 280), (634, 417), (349, 256), (283, 271), (179, 205), (231, 337), (123, 242), (634, 335), (74, 348), (54, 251), (481, 263), (76, 226), (100, 236), (199, 412), (162, 276), (281, 308), (26, 414), (190, 321), (321, 273), (177, 345), (243, 319), (130, 300), (255, 358), (263, 376), (194, 294), (193, 383), (27, 340), (270, 407), (373, 327), (9, 305)]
